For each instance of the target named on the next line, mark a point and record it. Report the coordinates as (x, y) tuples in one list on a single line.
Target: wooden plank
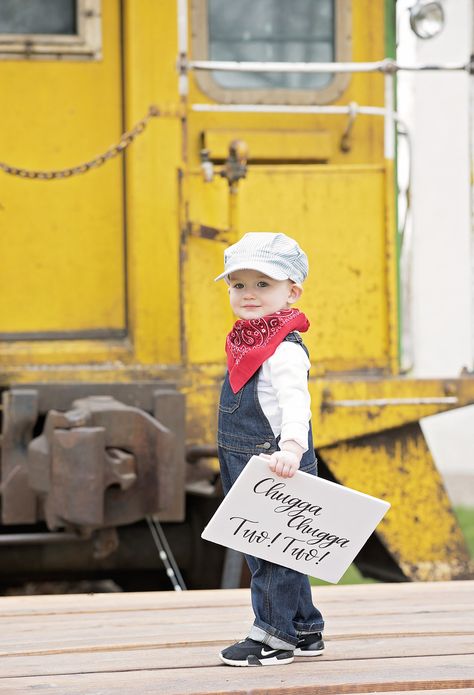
[(387, 638), (443, 691), (193, 656), (382, 675), (441, 599), (142, 628), (442, 592), (464, 613), (443, 604), (146, 630)]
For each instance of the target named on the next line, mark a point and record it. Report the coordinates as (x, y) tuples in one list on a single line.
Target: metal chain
[(126, 139)]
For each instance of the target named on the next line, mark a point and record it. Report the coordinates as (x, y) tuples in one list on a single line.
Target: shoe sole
[(264, 662), (307, 652)]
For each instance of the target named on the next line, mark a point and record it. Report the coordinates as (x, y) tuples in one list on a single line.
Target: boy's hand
[(284, 463)]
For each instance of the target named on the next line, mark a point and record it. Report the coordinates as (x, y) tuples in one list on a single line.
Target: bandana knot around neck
[(252, 341)]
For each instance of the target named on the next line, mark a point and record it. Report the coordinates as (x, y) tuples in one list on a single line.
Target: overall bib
[(281, 597)]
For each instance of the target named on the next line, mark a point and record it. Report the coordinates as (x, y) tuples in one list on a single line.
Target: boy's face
[(253, 294)]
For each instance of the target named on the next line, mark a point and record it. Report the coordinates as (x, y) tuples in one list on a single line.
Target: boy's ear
[(295, 293)]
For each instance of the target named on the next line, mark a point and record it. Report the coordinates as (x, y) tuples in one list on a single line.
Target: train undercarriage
[(87, 468)]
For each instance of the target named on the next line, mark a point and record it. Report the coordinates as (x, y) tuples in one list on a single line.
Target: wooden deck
[(394, 638)]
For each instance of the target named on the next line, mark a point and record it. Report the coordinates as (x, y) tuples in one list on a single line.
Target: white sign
[(305, 523)]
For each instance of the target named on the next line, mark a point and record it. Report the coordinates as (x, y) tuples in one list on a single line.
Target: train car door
[(62, 244), (301, 179)]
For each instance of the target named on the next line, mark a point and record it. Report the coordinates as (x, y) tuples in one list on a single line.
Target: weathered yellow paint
[(152, 192), (206, 306), (61, 246), (25, 355), (329, 209), (335, 421), (209, 309), (420, 530), (391, 288), (145, 240), (336, 213), (277, 145), (154, 210)]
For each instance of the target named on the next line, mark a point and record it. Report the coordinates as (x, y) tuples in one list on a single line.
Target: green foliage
[(465, 517), (352, 576)]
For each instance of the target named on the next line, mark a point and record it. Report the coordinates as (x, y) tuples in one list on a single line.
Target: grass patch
[(351, 576), (465, 516)]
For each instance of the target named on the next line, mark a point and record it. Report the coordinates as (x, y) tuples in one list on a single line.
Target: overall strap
[(294, 337)]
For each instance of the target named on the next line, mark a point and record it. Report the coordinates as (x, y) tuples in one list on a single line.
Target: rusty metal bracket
[(345, 144), (235, 166), (20, 411), (98, 464), (101, 464)]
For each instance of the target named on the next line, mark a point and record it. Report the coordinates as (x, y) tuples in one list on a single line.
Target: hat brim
[(265, 268)]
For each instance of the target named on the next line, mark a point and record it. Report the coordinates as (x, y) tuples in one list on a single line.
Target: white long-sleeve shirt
[(283, 393)]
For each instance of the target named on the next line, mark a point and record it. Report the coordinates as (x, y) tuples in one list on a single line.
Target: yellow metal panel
[(62, 241), (207, 315), (392, 278), (341, 214), (337, 214), (206, 203), (279, 145), (26, 355), (152, 178), (202, 386), (355, 406), (367, 138), (420, 530)]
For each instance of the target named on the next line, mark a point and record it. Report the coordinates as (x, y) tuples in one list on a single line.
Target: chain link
[(126, 139)]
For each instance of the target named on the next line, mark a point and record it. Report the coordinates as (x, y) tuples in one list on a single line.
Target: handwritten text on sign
[(305, 523)]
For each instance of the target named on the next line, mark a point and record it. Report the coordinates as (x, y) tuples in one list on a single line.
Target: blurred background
[(137, 141)]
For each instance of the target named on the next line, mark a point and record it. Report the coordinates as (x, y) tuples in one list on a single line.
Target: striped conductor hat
[(273, 254)]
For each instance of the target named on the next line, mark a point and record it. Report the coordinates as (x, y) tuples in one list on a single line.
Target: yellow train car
[(132, 153)]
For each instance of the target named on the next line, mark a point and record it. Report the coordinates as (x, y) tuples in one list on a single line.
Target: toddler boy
[(264, 408)]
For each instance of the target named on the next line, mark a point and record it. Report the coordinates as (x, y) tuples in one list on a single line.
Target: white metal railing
[(383, 402), (353, 108), (387, 67)]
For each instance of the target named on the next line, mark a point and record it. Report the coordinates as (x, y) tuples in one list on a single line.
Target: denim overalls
[(281, 597)]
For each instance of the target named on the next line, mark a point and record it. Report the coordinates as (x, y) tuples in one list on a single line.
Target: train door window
[(272, 31), (50, 29)]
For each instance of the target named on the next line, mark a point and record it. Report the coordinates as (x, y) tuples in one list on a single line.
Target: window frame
[(85, 45), (207, 83)]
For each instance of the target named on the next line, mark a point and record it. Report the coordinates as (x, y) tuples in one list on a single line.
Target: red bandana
[(253, 341)]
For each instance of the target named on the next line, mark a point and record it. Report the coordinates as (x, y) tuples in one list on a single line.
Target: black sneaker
[(310, 645), (248, 652)]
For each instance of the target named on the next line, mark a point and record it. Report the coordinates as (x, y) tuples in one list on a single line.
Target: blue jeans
[(281, 597)]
